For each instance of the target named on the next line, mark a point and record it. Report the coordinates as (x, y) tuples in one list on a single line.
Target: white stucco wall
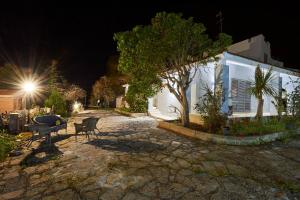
[(241, 68), (205, 76), (166, 101)]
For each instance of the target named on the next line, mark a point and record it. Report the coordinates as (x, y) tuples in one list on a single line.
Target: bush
[(257, 127), (57, 103), (7, 144), (294, 99), (137, 102), (291, 122), (209, 107)]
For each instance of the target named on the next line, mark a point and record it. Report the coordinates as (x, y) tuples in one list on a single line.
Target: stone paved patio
[(132, 159)]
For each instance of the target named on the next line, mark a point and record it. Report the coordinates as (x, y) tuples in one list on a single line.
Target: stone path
[(132, 159)]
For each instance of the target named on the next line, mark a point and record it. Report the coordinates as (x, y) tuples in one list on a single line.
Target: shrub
[(209, 107), (257, 127), (7, 143), (137, 102), (291, 122), (57, 103), (294, 98)]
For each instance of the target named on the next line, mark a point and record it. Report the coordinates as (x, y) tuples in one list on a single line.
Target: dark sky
[(80, 35)]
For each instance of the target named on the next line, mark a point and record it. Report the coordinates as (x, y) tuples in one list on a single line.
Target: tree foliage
[(55, 80), (105, 89), (294, 98), (74, 93), (137, 100), (57, 103), (164, 54)]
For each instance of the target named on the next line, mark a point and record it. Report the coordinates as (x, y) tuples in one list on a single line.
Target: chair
[(88, 125)]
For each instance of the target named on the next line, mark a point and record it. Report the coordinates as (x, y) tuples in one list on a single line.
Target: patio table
[(41, 130)]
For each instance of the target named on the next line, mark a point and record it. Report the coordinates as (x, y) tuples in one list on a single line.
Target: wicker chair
[(88, 125)]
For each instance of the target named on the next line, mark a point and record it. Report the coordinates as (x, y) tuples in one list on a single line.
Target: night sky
[(80, 35)]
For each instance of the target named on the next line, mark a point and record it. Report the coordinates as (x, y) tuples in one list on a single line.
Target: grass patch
[(7, 144), (248, 128), (289, 185)]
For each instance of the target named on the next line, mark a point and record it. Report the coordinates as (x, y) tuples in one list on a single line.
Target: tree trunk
[(260, 108), (185, 110)]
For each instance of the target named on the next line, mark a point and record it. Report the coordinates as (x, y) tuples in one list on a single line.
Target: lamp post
[(29, 88)]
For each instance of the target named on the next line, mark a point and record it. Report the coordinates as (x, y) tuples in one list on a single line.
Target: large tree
[(262, 86), (74, 93), (167, 52), (102, 89), (55, 79)]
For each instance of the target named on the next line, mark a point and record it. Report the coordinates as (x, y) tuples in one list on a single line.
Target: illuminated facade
[(233, 74)]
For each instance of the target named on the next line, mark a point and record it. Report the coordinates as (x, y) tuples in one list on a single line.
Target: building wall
[(205, 77), (6, 104), (244, 69), (165, 101), (10, 104), (236, 67), (255, 48)]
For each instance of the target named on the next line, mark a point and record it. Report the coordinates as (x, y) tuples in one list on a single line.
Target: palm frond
[(262, 85)]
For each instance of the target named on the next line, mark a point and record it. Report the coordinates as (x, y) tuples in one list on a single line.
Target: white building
[(235, 70)]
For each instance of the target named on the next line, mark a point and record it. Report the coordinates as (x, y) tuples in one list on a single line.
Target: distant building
[(11, 100), (255, 48)]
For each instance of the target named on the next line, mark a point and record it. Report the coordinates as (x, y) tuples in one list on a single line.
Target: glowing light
[(77, 107), (29, 87)]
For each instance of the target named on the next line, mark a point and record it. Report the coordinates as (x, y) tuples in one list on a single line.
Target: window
[(241, 98)]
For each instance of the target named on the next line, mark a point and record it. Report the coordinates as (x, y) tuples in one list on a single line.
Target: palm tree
[(262, 86)]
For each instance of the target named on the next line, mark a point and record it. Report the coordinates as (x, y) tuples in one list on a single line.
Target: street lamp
[(29, 88)]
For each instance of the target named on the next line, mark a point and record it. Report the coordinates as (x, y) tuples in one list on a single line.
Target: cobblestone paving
[(132, 159)]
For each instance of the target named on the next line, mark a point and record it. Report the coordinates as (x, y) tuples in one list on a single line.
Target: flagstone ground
[(132, 159)]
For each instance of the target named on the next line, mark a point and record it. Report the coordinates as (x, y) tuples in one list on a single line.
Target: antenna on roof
[(220, 19)]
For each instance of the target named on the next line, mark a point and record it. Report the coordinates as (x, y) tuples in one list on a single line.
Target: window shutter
[(241, 98)]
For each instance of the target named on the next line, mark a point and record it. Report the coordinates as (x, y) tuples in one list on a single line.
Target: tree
[(57, 103), (262, 86), (102, 89), (167, 52), (56, 81), (74, 93)]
